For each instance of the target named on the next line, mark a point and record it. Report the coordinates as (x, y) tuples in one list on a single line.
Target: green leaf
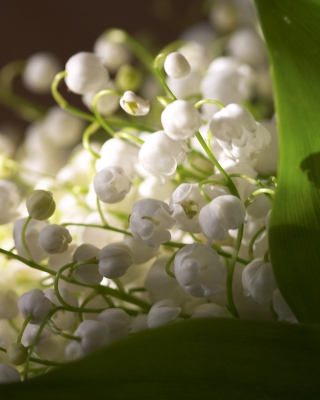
[(292, 32), (197, 359)]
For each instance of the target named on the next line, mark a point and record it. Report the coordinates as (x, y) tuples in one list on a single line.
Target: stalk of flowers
[(150, 226)]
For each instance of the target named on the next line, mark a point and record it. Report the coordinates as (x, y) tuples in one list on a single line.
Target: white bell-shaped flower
[(258, 280), (199, 270), (180, 120), (114, 151), (31, 236), (17, 353), (118, 322), (186, 86), (8, 374), (114, 260), (34, 303), (111, 185), (208, 310), (61, 128), (228, 81), (133, 104), (221, 214), (93, 334), (160, 155), (186, 203), (176, 65), (162, 312), (54, 239), (150, 222), (8, 304), (9, 201), (238, 133), (85, 73), (87, 273), (63, 319), (39, 72), (260, 205), (113, 54), (282, 308)]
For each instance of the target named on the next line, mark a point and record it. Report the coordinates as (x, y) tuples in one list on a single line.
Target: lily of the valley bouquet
[(149, 208)]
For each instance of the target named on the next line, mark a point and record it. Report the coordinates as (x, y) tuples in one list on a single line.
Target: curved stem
[(23, 238), (10, 71), (103, 220), (159, 75), (253, 195), (62, 102), (168, 264), (96, 112), (90, 130), (252, 241), (215, 102), (23, 327)]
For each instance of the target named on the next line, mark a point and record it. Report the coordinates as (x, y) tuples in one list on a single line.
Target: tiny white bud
[(34, 303), (199, 270), (221, 214), (93, 334), (85, 73), (150, 222), (114, 260), (111, 185), (40, 204), (54, 239), (180, 120), (8, 374), (133, 104), (39, 72), (87, 273), (258, 280), (176, 65), (17, 353), (118, 322), (162, 312)]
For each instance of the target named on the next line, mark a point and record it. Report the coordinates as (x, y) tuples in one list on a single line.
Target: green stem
[(23, 327), (256, 193), (107, 227), (216, 102), (9, 72), (159, 75), (252, 241), (96, 112), (104, 221), (228, 181), (62, 102), (23, 238), (90, 130), (125, 135), (168, 264)]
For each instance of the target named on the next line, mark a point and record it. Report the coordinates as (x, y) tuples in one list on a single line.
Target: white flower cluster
[(153, 220)]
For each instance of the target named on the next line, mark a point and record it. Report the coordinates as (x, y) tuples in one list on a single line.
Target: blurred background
[(65, 27)]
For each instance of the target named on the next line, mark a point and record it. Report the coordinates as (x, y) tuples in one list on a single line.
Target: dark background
[(65, 27)]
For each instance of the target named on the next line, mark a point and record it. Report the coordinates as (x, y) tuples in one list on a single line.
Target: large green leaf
[(292, 32), (198, 359)]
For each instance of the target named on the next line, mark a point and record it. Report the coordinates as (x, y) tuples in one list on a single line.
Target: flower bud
[(17, 353), (118, 322), (87, 273), (8, 374), (150, 222), (85, 73), (39, 72), (114, 260), (93, 334), (176, 65), (199, 271), (111, 185), (162, 312), (128, 78), (180, 120), (221, 214), (34, 303), (133, 104), (258, 280), (40, 205), (54, 239)]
